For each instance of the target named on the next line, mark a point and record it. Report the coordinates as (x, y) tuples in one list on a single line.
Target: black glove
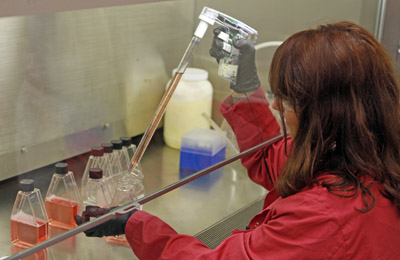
[(247, 78), (113, 227)]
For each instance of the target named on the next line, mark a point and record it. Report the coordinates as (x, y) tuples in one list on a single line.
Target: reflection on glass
[(68, 245), (40, 255)]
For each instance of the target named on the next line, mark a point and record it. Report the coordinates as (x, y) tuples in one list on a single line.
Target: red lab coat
[(311, 224)]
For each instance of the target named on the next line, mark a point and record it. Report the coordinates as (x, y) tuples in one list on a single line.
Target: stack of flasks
[(106, 182)]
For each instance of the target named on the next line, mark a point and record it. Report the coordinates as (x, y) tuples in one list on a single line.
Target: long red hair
[(342, 85)]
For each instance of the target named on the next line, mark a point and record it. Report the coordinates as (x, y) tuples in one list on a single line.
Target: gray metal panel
[(64, 76), (215, 234), (30, 7), (391, 32)]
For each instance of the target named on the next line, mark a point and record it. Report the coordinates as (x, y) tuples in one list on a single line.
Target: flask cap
[(107, 147), (27, 185), (126, 141), (61, 168), (97, 151), (117, 144), (95, 173)]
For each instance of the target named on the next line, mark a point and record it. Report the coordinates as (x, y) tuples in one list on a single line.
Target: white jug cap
[(193, 74)]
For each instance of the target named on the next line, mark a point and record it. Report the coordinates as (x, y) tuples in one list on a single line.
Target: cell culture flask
[(128, 149), (119, 156), (96, 192), (96, 160), (29, 224), (63, 200), (126, 144)]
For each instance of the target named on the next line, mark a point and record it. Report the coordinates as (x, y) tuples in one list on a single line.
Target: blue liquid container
[(200, 149)]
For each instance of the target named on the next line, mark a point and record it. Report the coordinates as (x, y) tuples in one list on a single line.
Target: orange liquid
[(27, 231), (117, 239), (61, 212)]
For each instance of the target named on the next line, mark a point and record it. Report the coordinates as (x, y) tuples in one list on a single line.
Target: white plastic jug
[(191, 98)]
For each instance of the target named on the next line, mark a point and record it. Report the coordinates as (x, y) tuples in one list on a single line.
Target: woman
[(334, 179)]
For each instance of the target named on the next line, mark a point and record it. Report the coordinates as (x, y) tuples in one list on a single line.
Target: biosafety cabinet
[(75, 74)]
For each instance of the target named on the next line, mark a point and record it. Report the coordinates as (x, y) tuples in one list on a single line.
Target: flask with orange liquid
[(28, 222), (63, 200)]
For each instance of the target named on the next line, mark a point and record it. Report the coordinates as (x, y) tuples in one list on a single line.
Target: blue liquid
[(192, 162), (199, 161)]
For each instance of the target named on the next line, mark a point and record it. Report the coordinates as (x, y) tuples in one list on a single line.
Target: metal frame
[(381, 20)]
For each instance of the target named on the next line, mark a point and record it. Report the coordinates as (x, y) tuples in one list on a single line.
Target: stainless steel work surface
[(188, 209)]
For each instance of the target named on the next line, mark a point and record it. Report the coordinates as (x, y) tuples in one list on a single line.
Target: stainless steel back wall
[(391, 33), (71, 80)]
